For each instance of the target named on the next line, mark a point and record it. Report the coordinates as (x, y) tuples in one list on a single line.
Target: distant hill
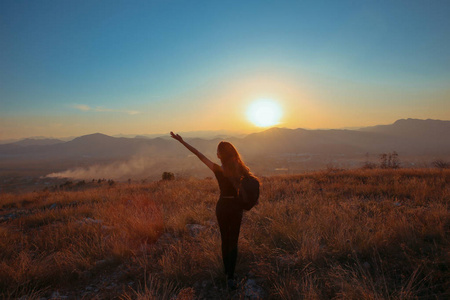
[(415, 137), (275, 148), (88, 147), (410, 136), (413, 128)]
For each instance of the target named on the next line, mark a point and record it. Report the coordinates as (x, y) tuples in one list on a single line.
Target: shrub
[(168, 176), (441, 164)]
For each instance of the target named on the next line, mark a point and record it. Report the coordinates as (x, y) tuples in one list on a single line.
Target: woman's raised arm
[(203, 158)]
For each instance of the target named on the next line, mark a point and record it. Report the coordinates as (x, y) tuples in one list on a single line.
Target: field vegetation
[(335, 234)]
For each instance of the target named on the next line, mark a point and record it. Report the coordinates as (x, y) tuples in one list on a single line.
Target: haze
[(70, 68)]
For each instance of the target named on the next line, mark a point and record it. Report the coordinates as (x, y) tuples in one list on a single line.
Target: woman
[(228, 209)]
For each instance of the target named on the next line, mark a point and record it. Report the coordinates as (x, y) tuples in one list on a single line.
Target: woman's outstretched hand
[(176, 136), (203, 158)]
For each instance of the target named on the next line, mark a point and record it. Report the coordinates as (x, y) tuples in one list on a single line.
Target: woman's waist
[(228, 203), (227, 197)]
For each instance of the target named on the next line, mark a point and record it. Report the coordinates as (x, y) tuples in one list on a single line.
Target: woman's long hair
[(232, 164)]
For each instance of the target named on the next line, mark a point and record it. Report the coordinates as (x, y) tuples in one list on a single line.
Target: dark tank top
[(226, 187)]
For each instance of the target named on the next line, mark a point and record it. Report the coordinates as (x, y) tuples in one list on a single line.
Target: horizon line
[(156, 135)]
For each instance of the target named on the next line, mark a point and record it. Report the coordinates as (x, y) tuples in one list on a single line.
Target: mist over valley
[(32, 162)]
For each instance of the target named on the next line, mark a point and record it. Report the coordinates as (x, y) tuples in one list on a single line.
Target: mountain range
[(276, 146)]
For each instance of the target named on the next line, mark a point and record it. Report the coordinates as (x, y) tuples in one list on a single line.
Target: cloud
[(84, 107), (133, 112)]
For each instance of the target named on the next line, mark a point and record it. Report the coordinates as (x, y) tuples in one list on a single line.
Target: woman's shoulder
[(217, 168)]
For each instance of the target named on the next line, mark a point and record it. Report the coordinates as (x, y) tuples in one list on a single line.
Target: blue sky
[(77, 67)]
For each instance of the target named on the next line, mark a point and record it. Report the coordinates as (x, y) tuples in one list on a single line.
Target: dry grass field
[(356, 234)]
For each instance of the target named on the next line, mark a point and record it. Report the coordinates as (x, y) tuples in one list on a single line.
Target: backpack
[(249, 192)]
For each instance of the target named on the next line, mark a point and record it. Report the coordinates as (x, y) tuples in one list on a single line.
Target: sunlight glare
[(264, 113)]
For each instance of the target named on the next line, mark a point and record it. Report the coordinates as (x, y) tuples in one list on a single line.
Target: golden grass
[(359, 234)]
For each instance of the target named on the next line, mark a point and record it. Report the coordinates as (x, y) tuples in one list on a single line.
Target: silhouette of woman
[(228, 209)]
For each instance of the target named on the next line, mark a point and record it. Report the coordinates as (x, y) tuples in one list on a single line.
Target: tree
[(389, 160), (168, 176), (383, 161), (394, 160)]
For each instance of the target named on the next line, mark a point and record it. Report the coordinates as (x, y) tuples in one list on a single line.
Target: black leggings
[(229, 216)]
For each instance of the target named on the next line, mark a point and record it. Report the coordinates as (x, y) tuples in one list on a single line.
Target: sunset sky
[(69, 68)]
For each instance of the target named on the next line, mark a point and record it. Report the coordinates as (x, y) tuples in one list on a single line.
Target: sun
[(264, 112)]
